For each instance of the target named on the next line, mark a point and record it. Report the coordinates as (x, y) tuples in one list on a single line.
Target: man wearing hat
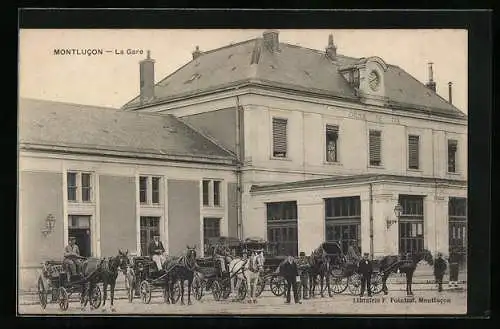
[(304, 267), (439, 269), (288, 269), (365, 269), (156, 251), (71, 257)]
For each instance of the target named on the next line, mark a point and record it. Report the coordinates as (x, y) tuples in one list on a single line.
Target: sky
[(112, 80)]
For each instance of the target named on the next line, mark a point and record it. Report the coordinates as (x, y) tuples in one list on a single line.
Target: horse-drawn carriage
[(53, 282), (344, 270), (143, 277), (212, 277)]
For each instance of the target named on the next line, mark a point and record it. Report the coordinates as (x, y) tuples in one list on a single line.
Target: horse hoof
[(113, 309), (190, 303), (182, 303)]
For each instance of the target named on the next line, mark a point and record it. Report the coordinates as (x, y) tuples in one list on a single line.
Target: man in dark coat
[(304, 268), (288, 269), (439, 269), (156, 251), (365, 269), (454, 261)]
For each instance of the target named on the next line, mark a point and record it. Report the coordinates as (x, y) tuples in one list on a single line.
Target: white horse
[(247, 269)]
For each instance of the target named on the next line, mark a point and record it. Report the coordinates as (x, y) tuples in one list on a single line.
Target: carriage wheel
[(217, 290), (63, 299), (261, 284), (198, 288), (95, 297), (42, 293), (338, 284), (376, 283), (145, 292), (354, 284), (277, 285), (177, 291), (129, 286), (242, 290)]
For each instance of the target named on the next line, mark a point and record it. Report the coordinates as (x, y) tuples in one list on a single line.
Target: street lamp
[(397, 212)]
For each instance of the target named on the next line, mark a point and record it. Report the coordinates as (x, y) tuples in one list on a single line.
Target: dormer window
[(352, 76)]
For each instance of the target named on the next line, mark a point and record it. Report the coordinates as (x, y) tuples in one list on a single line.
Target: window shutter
[(375, 148), (279, 137), (452, 145), (413, 154), (332, 130)]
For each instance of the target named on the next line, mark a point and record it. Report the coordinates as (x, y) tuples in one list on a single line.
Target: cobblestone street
[(424, 302)]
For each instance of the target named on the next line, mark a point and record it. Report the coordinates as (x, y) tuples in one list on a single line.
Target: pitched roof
[(292, 67), (76, 126)]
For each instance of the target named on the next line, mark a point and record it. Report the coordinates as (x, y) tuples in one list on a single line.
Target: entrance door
[(150, 226), (79, 227)]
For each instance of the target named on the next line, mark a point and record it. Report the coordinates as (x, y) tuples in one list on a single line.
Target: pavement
[(396, 302)]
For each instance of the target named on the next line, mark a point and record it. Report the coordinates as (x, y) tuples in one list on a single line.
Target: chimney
[(147, 78), (431, 84), (271, 40), (196, 53), (331, 50), (450, 99)]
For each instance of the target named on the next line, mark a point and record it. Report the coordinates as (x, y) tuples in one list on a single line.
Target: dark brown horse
[(105, 270), (319, 266), (405, 264), (180, 269)]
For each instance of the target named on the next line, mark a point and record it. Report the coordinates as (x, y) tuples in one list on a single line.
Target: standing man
[(365, 268), (439, 269), (304, 268), (156, 251), (290, 272), (454, 260), (71, 257)]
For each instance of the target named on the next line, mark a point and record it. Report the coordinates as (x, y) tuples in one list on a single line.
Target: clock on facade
[(374, 80)]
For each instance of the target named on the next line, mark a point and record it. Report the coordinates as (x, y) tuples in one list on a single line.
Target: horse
[(247, 269), (180, 269), (105, 270), (320, 265), (407, 265)]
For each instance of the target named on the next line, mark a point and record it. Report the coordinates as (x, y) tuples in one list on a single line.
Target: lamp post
[(397, 212), (50, 223)]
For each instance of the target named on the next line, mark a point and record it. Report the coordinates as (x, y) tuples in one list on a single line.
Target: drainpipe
[(239, 187), (371, 220)]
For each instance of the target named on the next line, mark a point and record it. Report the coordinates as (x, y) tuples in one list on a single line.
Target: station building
[(297, 145)]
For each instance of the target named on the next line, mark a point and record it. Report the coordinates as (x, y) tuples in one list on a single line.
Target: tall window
[(279, 138), (282, 228), (411, 224), (79, 186), (332, 137), (216, 193), (150, 226), (375, 148), (206, 192), (343, 221), (72, 186), (143, 189), (452, 155), (457, 222), (155, 197), (212, 193), (413, 151), (211, 229), (149, 189)]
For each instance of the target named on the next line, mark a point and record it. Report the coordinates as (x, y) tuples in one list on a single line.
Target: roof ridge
[(95, 107), (183, 66)]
